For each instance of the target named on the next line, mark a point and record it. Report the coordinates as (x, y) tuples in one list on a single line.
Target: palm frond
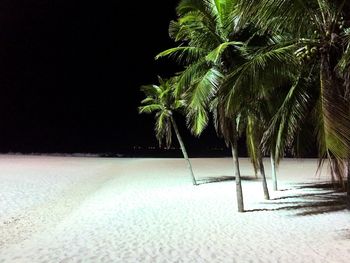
[(206, 88), (190, 75), (286, 122), (334, 116), (274, 64), (282, 15), (150, 108), (150, 90), (183, 54), (197, 119), (215, 55)]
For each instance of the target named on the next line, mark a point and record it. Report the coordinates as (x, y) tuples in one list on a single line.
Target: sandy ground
[(59, 209)]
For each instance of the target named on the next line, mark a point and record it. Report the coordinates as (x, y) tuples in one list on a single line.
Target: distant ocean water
[(153, 152), (134, 153)]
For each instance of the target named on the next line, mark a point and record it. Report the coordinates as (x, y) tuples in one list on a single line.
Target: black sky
[(70, 72)]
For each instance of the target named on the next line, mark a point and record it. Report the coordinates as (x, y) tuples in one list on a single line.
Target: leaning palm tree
[(318, 31), (203, 30), (254, 134), (161, 100), (208, 33), (229, 128)]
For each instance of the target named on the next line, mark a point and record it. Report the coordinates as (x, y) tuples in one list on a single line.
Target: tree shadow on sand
[(218, 179), (324, 199)]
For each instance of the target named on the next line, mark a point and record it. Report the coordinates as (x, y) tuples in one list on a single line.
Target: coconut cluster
[(306, 53), (341, 23)]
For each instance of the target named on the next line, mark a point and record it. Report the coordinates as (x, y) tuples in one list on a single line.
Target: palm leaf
[(286, 122), (150, 108), (215, 55), (183, 54)]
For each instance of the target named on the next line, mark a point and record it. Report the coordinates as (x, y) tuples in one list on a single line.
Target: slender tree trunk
[(184, 152), (237, 173), (273, 171), (262, 172), (256, 175), (348, 187)]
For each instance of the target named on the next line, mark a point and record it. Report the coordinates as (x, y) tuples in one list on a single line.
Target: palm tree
[(160, 99), (254, 134), (318, 34), (203, 30), (229, 128), (319, 38), (208, 33)]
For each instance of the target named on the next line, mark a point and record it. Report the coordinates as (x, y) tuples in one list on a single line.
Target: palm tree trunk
[(183, 149), (262, 172), (273, 171), (239, 192), (348, 187)]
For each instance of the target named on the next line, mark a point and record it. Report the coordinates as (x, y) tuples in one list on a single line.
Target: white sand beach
[(65, 209)]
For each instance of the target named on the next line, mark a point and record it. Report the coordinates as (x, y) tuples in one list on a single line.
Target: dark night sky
[(70, 72)]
